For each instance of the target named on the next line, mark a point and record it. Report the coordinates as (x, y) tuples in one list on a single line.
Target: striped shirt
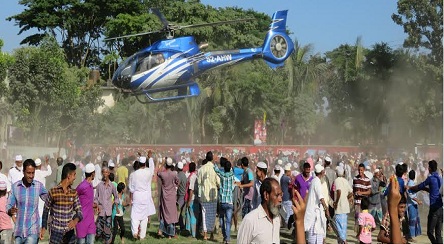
[(26, 199), (226, 185), (63, 207), (360, 184)]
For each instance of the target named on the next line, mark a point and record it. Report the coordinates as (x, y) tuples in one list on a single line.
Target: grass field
[(286, 237)]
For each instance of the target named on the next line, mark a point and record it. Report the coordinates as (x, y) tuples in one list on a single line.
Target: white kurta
[(314, 213), (140, 187), (41, 175), (15, 174)]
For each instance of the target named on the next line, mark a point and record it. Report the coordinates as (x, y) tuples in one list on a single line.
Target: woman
[(412, 206)]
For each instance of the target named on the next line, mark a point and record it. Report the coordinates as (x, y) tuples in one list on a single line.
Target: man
[(168, 210), (432, 184), (374, 206), (208, 182), (86, 229), (227, 179), (111, 166), (142, 200), (277, 172), (343, 193), (330, 173), (247, 185), (361, 188), (104, 190), (261, 174), (181, 193), (315, 221), (122, 172), (59, 170), (64, 207), (302, 181), (16, 172), (40, 175), (23, 205), (287, 192), (262, 224)]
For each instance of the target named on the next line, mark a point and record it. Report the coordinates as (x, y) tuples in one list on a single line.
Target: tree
[(48, 96), (78, 25), (423, 23)]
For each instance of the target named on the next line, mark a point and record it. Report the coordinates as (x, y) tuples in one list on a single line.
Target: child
[(5, 220), (118, 213), (366, 223)]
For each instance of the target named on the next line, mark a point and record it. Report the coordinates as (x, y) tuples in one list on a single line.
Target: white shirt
[(257, 228), (343, 206), (41, 175), (4, 178), (314, 213), (140, 185), (15, 174)]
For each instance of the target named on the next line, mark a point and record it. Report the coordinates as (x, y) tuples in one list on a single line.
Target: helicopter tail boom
[(277, 46)]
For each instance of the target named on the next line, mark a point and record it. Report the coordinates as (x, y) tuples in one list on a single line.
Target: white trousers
[(135, 224)]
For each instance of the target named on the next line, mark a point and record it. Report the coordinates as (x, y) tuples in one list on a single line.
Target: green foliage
[(78, 24), (48, 96), (423, 23), (5, 61)]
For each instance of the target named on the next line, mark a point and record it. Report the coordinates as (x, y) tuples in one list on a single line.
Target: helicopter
[(173, 64)]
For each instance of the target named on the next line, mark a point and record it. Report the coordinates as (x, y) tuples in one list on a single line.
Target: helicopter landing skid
[(183, 91)]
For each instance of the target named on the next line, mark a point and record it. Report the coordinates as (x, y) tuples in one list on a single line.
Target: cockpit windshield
[(148, 61)]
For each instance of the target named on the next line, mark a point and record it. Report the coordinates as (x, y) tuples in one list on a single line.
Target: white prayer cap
[(38, 162), (89, 168), (142, 159), (18, 158), (287, 167), (262, 165), (180, 165), (280, 162), (319, 168), (111, 163), (328, 159), (169, 161)]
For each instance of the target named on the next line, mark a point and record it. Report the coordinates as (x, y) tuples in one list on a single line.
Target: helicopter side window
[(146, 62)]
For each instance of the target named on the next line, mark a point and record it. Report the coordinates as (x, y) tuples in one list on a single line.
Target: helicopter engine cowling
[(277, 46)]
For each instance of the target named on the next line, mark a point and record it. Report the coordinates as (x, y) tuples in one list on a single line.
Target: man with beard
[(315, 222), (262, 224), (261, 174)]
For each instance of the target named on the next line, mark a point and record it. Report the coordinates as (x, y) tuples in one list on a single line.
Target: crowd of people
[(85, 198)]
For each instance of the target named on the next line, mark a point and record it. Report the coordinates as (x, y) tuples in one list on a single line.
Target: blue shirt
[(26, 199), (238, 173), (434, 182), (401, 186)]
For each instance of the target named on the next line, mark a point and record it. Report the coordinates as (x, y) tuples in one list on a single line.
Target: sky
[(325, 24)]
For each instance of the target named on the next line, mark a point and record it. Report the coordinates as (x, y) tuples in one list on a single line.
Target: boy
[(366, 223), (384, 233)]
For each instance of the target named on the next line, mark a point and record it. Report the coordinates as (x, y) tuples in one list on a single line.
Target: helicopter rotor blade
[(214, 23), (132, 35), (161, 17)]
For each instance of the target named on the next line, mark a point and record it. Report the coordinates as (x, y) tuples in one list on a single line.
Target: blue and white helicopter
[(174, 63)]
